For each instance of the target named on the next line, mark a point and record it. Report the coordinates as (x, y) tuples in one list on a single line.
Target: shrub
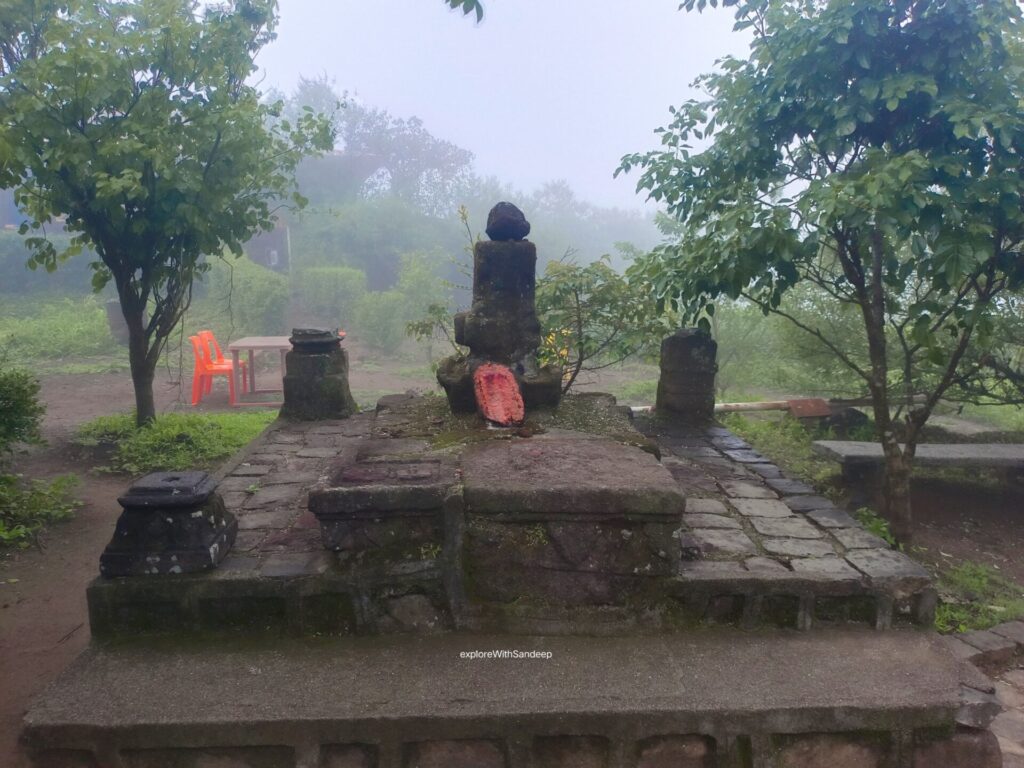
[(380, 319), (175, 441), (58, 329), (330, 292), (25, 508), (238, 297), (20, 411)]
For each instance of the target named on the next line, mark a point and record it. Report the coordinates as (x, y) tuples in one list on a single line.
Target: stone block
[(1011, 630), (766, 470), (565, 476), (858, 538), (64, 758), (705, 507), (714, 542), (787, 527), (832, 567), (806, 503), (761, 508), (227, 757), (686, 385), (797, 548), (788, 487), (712, 521), (966, 748), (740, 490), (893, 570), (745, 457), (455, 754), (316, 383), (830, 517), (833, 751), (348, 756), (585, 562), (570, 752), (676, 752), (995, 649)]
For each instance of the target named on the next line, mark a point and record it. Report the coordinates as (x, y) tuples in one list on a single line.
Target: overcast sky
[(540, 90)]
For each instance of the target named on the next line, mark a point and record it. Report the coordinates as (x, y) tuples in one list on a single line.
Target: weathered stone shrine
[(411, 588), (501, 326)]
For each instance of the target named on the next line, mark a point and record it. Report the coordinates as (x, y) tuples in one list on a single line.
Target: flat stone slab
[(1000, 455), (392, 691), (567, 476)]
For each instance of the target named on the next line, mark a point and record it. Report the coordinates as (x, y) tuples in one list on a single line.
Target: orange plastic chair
[(210, 342), (205, 369)]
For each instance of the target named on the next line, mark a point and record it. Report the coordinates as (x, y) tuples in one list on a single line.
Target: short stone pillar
[(686, 387), (316, 377), (173, 522)]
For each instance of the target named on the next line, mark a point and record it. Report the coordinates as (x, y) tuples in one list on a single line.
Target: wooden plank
[(998, 455)]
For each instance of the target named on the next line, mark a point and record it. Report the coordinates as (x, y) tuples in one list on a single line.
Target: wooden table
[(254, 344)]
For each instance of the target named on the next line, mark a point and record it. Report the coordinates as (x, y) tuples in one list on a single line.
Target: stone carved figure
[(501, 327)]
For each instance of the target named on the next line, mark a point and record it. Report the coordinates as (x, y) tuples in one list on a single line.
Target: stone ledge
[(724, 687)]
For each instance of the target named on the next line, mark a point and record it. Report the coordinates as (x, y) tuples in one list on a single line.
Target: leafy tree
[(873, 150), (592, 317), (134, 120)]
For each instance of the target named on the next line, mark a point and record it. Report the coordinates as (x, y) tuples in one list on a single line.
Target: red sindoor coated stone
[(497, 395)]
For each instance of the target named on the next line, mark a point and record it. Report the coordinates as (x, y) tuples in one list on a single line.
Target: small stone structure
[(501, 326), (316, 377), (686, 387), (587, 590), (172, 523)]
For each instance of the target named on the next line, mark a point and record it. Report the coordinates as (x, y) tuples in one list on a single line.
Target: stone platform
[(678, 600), (713, 698), (587, 534)]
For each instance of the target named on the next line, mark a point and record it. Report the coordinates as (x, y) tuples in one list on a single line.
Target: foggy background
[(538, 91)]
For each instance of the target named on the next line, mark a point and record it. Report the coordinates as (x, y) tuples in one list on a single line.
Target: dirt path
[(43, 618)]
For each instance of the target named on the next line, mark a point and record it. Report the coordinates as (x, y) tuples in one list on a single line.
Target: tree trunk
[(142, 367), (896, 494)]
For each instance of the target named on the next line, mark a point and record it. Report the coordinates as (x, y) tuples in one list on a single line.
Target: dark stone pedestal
[(316, 378), (173, 522), (686, 387)]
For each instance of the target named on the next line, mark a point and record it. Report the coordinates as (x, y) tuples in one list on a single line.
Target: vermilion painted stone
[(497, 395)]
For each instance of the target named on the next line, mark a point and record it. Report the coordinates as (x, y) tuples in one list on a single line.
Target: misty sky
[(541, 90)]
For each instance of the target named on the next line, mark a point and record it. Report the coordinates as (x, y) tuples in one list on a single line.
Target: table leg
[(284, 369), (252, 372), (234, 375)]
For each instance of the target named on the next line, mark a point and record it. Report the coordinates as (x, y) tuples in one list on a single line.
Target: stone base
[(540, 390), (316, 386), (170, 541), (715, 699)]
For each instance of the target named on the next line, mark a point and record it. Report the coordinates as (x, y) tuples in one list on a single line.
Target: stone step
[(708, 698)]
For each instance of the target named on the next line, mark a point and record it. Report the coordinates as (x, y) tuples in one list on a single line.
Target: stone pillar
[(316, 377), (173, 522), (686, 387)]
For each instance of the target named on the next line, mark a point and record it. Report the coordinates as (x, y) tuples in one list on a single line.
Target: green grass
[(175, 441), (68, 328), (27, 507), (975, 596), (788, 444), (640, 392)]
